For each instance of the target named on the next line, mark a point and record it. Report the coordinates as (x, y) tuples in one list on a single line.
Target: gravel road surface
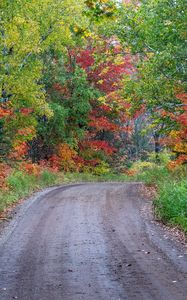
[(91, 242)]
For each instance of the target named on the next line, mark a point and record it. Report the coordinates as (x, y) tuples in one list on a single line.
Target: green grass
[(154, 175), (171, 200), (22, 185), (86, 177)]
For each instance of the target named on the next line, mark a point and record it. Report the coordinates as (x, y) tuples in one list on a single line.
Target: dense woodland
[(93, 87)]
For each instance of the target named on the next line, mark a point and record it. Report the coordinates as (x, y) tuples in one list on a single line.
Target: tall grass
[(171, 200), (21, 185), (87, 177)]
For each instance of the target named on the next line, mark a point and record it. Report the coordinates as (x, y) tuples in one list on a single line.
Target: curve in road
[(91, 242)]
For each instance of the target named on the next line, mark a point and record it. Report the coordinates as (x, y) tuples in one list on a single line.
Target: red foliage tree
[(110, 114)]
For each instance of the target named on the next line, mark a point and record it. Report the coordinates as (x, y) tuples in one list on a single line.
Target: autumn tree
[(28, 29), (69, 96), (155, 32)]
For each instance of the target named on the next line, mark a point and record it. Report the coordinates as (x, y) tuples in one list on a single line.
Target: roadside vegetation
[(170, 203), (21, 185), (170, 197), (94, 91)]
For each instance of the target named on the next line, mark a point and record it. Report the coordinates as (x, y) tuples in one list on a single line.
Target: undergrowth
[(87, 177), (21, 185), (171, 201)]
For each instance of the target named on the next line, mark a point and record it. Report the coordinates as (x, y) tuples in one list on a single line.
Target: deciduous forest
[(94, 91)]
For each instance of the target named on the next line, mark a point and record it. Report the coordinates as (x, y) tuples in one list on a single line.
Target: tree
[(106, 68), (69, 96), (28, 29), (155, 32)]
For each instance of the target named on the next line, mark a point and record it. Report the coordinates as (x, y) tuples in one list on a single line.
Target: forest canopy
[(92, 85)]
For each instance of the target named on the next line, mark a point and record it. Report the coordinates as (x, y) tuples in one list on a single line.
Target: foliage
[(102, 169), (29, 168), (66, 158), (155, 34), (100, 9), (5, 171), (154, 175), (171, 203), (109, 117), (141, 166), (28, 30), (164, 157), (76, 103)]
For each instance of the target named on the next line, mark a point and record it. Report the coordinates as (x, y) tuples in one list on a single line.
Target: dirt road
[(91, 242)]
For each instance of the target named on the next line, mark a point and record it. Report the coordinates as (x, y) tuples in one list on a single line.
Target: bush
[(154, 175), (164, 157), (140, 166), (102, 169)]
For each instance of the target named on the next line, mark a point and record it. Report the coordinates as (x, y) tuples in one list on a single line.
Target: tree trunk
[(157, 147)]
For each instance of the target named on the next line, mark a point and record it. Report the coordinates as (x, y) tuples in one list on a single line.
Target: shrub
[(154, 175), (66, 156), (131, 172), (5, 170), (102, 169), (140, 166), (164, 157), (30, 168)]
